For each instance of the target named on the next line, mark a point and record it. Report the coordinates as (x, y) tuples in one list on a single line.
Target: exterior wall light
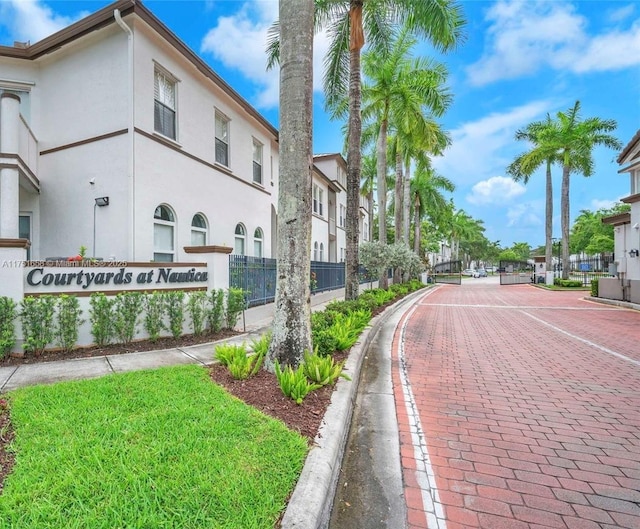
[(634, 253), (102, 201)]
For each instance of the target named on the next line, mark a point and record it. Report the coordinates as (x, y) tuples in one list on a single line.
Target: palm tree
[(571, 139), (292, 318), (347, 22), (397, 93), (533, 133), (427, 199), (368, 186)]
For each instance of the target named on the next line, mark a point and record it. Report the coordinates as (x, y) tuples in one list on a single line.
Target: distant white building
[(116, 136), (626, 286)]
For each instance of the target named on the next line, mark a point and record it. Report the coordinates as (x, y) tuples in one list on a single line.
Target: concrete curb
[(312, 499), (615, 302)]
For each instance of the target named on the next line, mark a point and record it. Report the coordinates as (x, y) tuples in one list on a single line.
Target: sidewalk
[(255, 322)]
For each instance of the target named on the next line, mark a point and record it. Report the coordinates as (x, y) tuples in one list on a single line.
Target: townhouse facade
[(626, 285), (118, 138)]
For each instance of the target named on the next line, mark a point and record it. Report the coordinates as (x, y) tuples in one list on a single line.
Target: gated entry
[(449, 272), (516, 272)]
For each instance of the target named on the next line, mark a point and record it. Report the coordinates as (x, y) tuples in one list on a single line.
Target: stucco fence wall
[(619, 289)]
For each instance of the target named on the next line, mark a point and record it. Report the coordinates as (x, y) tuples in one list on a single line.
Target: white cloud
[(33, 20), (597, 204), (526, 36), (621, 13), (525, 215), (239, 41), (495, 190), (478, 148)]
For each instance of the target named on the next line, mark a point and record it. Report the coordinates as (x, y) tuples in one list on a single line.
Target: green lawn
[(148, 449)]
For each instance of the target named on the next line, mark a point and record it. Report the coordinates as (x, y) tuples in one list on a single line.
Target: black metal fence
[(449, 272), (585, 269), (257, 277)]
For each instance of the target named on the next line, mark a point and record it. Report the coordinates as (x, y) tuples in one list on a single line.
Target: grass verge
[(147, 449)]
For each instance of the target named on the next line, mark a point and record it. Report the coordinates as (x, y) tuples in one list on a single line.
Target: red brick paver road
[(518, 408)]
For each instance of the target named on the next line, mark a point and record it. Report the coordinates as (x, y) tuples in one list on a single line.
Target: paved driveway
[(518, 408)]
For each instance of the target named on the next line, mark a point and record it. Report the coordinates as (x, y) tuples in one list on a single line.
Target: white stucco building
[(117, 137), (626, 286)]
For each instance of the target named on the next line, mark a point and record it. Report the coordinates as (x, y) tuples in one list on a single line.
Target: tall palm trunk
[(354, 155), (548, 223), (564, 219), (292, 317), (406, 203), (417, 228), (398, 195), (381, 157)]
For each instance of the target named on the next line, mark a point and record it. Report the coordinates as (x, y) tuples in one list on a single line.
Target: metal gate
[(516, 272), (449, 272)]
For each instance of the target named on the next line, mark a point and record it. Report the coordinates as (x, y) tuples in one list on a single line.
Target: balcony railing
[(28, 146)]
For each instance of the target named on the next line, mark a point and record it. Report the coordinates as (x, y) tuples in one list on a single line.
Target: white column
[(9, 178)]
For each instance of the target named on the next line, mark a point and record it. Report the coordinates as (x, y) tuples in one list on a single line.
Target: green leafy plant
[(37, 318), (226, 352), (594, 287), (8, 313), (344, 332), (261, 345), (294, 384), (235, 305), (126, 308), (246, 365), (215, 314), (69, 320), (154, 315), (196, 306), (322, 370), (174, 303), (101, 318)]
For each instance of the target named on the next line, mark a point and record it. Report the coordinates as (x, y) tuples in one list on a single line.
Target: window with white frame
[(343, 216), (257, 162), (342, 250), (198, 230), (164, 223), (222, 139), (164, 111), (317, 199), (321, 253), (635, 182), (240, 237), (315, 251), (257, 243)]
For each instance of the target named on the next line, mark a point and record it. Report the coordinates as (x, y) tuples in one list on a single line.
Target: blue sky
[(521, 60)]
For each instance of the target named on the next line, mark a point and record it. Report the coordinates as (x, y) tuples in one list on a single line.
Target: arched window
[(315, 251), (257, 243), (321, 252), (240, 237), (198, 230), (164, 224)]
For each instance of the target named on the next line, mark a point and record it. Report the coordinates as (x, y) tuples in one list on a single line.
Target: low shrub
[(174, 305), (8, 313), (69, 320), (244, 366), (37, 318), (196, 305), (154, 315), (127, 306), (101, 318), (567, 283), (594, 287), (215, 314), (236, 303)]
